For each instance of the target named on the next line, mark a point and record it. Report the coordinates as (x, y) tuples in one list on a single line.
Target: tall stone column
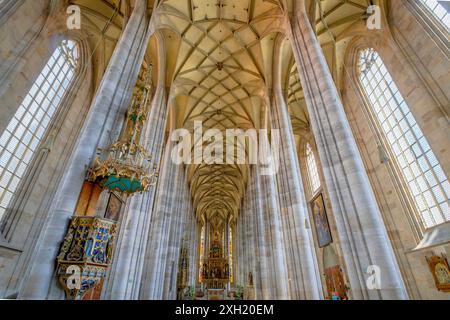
[(239, 254), (113, 97), (207, 238), (176, 233), (255, 239), (124, 280), (7, 8), (160, 223), (234, 258), (245, 244), (303, 273), (193, 242), (262, 277), (247, 212), (361, 229), (226, 246), (273, 233), (249, 244), (164, 234)]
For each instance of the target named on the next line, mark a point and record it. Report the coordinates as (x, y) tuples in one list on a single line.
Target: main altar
[(215, 270)]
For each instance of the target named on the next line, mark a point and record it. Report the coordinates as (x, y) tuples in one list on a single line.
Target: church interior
[(128, 167)]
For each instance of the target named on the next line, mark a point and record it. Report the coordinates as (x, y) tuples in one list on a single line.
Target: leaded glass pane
[(21, 139), (420, 167)]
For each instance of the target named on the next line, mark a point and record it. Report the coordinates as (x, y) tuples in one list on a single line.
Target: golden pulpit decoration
[(126, 166), (85, 255)]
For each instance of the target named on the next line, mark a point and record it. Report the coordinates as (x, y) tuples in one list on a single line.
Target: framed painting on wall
[(321, 221), (114, 207)]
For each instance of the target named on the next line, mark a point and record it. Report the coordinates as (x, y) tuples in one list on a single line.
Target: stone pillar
[(198, 230), (207, 240), (262, 277), (113, 97), (176, 234), (156, 254), (234, 258), (193, 242), (164, 235), (272, 229), (245, 244), (303, 273), (7, 8), (239, 255), (361, 229), (227, 230), (124, 280), (253, 243)]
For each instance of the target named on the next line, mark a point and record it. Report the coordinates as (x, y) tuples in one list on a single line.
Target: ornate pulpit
[(85, 255), (124, 167)]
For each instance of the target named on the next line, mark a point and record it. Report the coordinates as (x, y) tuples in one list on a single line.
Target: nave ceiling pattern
[(220, 79), (220, 55), (103, 22)]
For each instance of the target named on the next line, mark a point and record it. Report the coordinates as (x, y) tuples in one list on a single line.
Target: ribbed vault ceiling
[(103, 20), (220, 62), (220, 80), (335, 18)]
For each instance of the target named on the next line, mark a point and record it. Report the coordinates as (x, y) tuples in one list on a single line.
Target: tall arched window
[(24, 133), (313, 172), (428, 183), (440, 10)]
